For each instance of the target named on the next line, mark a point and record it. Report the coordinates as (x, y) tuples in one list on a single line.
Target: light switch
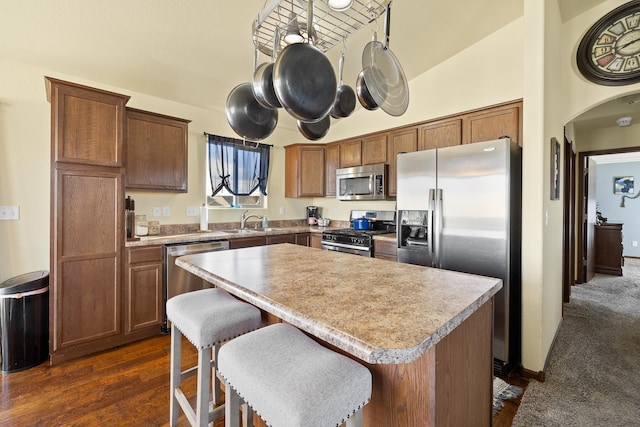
[(157, 211), (9, 213), (166, 211)]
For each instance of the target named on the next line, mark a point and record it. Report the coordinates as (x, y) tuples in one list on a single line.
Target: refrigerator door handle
[(437, 228), (430, 232)]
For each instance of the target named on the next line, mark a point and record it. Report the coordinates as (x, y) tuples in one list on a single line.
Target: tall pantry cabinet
[(87, 196)]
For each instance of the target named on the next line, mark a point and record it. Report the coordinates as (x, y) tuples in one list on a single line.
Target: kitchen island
[(424, 333)]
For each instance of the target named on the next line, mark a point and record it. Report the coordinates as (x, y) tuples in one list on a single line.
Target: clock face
[(609, 53)]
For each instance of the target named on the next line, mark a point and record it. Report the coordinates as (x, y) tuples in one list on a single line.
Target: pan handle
[(387, 27)]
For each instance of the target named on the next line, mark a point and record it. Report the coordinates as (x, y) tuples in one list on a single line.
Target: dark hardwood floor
[(128, 386)]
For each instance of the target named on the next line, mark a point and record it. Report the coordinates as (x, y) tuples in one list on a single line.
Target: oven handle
[(344, 245)]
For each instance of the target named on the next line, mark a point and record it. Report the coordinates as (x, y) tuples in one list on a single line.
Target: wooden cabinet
[(440, 134), (86, 124), (143, 290), (331, 163), (400, 141), (303, 239), (304, 170), (87, 219), (385, 249), (608, 248), (247, 242), (350, 153), (316, 240), (281, 238), (493, 123), (156, 152), (374, 149)]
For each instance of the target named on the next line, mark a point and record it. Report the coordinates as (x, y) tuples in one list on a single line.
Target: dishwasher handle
[(197, 247)]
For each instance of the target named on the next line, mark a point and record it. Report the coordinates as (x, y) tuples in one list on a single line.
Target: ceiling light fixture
[(624, 121), (340, 5)]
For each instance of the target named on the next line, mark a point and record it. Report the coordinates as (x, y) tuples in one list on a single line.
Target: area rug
[(503, 391), (593, 377)]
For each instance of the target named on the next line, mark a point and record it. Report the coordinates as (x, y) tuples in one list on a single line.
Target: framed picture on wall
[(555, 169), (623, 185)]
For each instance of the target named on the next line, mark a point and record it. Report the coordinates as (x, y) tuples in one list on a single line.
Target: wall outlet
[(192, 211), (634, 243), (281, 210), (157, 211), (9, 213), (166, 211)]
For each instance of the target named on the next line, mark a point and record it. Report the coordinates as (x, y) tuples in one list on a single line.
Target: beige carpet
[(593, 378)]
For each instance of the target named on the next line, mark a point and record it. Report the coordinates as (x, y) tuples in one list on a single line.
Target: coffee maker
[(313, 213)]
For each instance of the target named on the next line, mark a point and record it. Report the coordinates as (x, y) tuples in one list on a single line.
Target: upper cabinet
[(374, 149), (351, 153), (331, 163), (304, 170), (156, 152), (440, 134), (87, 124), (493, 123), (403, 140)]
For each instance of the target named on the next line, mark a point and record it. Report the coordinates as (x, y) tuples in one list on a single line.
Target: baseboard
[(540, 375), (634, 257)]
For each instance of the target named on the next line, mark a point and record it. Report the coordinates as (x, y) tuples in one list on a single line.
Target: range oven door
[(350, 249)]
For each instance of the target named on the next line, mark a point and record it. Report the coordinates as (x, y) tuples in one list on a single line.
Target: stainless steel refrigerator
[(459, 208)]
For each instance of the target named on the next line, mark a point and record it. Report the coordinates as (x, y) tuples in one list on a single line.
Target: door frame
[(581, 202), (569, 219)]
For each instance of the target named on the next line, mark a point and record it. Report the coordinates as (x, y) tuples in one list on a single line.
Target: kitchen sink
[(238, 231)]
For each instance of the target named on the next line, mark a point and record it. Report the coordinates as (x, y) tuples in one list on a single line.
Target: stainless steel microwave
[(362, 182)]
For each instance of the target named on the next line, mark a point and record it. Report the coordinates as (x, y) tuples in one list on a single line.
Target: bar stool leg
[(216, 389), (176, 354), (232, 408), (204, 380)]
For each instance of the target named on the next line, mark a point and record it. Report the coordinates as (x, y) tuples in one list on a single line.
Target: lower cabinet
[(316, 240), (143, 290), (247, 242), (281, 238), (303, 239), (385, 249)]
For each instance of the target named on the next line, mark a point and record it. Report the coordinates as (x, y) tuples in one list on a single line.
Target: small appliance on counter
[(313, 213), (358, 239), (129, 217)]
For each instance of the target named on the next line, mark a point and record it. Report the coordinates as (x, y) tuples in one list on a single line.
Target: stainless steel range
[(359, 242)]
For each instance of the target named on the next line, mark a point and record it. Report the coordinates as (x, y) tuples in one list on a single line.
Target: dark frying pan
[(345, 101), (262, 84), (247, 118), (304, 80), (316, 130), (364, 96)]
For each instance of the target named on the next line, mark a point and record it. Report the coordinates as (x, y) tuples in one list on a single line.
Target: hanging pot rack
[(330, 28)]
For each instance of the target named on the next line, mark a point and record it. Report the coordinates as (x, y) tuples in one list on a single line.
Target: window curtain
[(239, 167)]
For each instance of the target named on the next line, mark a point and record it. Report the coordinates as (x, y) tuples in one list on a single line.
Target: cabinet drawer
[(146, 254)]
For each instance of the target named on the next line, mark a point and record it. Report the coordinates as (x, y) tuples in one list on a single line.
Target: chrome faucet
[(244, 217)]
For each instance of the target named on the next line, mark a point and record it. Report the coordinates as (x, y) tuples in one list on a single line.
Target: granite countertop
[(201, 236), (379, 311)]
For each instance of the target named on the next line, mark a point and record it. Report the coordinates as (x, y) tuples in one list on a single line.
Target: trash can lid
[(25, 283)]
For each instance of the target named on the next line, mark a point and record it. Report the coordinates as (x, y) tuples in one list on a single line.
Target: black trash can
[(24, 321)]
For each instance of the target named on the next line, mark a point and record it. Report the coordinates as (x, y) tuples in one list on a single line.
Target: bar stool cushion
[(211, 316), (291, 380)]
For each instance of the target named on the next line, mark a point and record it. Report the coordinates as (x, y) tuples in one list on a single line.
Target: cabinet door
[(374, 149), (87, 124), (384, 249), (316, 240), (304, 170), (440, 134), (281, 238), (350, 153), (246, 242), (156, 152), (303, 239), (492, 124), (331, 162), (143, 290), (87, 237), (400, 141)]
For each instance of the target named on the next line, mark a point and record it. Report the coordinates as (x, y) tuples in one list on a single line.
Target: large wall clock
[(609, 53)]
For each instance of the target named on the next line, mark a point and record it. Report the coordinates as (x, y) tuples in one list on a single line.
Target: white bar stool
[(207, 318), (292, 381)]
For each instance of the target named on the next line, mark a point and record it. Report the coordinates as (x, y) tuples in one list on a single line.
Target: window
[(238, 173)]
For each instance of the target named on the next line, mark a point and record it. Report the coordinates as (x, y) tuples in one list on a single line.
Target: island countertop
[(381, 312)]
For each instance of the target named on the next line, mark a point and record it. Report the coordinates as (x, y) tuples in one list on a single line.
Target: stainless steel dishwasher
[(178, 280)]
